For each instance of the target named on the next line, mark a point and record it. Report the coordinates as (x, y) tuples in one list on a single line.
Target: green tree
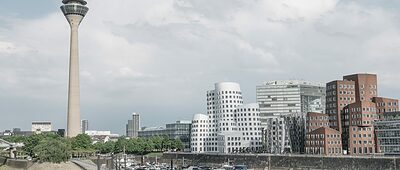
[(166, 143), (149, 145), (157, 141), (81, 142), (132, 146), (31, 142), (104, 148), (55, 150), (120, 145), (177, 144), (144, 146), (15, 138), (34, 140)]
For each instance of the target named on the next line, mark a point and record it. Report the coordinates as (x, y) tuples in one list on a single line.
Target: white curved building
[(199, 133), (229, 126), (249, 124)]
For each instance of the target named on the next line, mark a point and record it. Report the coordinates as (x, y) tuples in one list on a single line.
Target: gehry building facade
[(229, 126), (283, 108)]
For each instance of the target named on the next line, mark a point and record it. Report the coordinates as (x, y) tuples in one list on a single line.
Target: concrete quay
[(298, 162)]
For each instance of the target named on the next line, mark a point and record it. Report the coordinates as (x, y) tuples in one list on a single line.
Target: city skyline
[(158, 58)]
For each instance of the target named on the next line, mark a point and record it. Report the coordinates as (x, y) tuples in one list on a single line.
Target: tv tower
[(74, 11)]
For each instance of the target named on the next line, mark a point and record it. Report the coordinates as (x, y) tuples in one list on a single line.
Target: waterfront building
[(316, 120), (229, 126), (178, 130), (284, 134), (279, 98), (324, 141), (296, 124), (339, 94), (74, 11), (353, 106), (201, 134), (387, 133), (275, 135), (133, 126), (84, 126), (384, 105), (41, 126), (288, 102)]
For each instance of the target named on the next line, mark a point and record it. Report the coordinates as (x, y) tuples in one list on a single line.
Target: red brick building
[(339, 94), (315, 121), (324, 141), (353, 106), (385, 105)]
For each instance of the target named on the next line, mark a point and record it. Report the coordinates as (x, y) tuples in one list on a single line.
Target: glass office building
[(388, 133), (178, 130)]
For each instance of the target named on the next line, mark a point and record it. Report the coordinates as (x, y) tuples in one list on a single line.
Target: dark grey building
[(84, 125), (178, 130), (388, 133), (284, 134)]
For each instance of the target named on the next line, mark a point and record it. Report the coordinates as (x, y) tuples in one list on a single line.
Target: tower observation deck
[(76, 7)]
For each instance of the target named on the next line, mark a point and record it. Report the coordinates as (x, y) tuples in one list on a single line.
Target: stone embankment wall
[(2, 160), (16, 163), (299, 162)]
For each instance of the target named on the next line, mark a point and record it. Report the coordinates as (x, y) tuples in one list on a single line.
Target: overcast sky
[(159, 57)]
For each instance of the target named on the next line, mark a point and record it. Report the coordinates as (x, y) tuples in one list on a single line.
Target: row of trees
[(53, 148), (139, 145)]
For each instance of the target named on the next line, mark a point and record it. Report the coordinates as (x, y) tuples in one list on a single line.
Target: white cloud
[(158, 57), (6, 47)]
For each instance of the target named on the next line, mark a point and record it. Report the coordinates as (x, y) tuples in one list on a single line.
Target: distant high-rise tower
[(84, 126), (133, 126), (136, 124), (74, 11)]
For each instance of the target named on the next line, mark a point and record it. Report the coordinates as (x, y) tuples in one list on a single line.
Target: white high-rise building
[(229, 126), (133, 126), (278, 98)]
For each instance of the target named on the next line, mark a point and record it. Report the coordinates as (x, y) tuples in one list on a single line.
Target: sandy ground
[(50, 166), (6, 168)]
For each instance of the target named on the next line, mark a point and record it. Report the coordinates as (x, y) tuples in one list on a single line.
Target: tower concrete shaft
[(74, 11)]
